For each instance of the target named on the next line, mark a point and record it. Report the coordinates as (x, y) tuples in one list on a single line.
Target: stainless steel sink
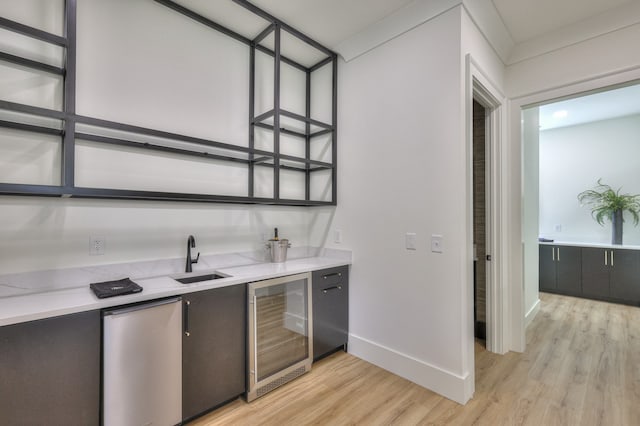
[(199, 278)]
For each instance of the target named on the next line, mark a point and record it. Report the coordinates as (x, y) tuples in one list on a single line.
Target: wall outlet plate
[(437, 244), (337, 236), (97, 246)]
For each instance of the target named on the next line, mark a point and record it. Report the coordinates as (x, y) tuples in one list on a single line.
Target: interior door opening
[(480, 246)]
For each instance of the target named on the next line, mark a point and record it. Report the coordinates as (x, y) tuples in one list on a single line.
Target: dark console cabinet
[(610, 274), (213, 348), (330, 310), (560, 268), (50, 371)]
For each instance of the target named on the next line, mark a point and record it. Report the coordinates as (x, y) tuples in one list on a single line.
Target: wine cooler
[(280, 332)]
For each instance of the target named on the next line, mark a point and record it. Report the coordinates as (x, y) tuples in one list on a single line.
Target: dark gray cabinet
[(595, 272), (611, 274), (625, 275), (213, 348), (560, 269), (50, 371), (330, 310)]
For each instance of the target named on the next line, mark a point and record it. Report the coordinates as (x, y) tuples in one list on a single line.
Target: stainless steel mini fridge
[(142, 364)]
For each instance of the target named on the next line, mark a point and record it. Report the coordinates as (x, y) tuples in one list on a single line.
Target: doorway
[(569, 145), (480, 253), (486, 212)]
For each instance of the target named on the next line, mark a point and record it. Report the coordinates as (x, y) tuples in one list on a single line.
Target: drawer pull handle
[(332, 275), (336, 287)]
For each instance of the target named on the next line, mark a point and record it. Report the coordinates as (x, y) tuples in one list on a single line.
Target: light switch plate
[(437, 244), (411, 241), (337, 236)]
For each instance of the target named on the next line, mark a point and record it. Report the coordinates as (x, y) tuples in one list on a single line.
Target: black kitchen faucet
[(191, 243)]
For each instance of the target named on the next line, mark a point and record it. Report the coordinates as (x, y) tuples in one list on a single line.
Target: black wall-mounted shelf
[(71, 127)]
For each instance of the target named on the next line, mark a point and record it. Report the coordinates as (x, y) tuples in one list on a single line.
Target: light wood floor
[(581, 367)]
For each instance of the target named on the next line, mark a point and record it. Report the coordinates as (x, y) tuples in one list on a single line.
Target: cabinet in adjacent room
[(213, 348), (611, 274), (50, 371), (330, 310), (560, 269)]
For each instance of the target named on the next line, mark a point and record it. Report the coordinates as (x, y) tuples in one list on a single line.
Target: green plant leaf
[(604, 200)]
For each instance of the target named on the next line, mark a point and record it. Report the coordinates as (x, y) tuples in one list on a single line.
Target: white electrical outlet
[(558, 228), (337, 236), (97, 246)]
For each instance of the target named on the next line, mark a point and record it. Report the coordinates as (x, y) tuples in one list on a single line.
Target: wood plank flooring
[(581, 367)]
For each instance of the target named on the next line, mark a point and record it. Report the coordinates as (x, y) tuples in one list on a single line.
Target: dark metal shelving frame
[(67, 120)]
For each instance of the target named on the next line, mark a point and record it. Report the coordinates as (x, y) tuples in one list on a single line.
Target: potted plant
[(609, 204)]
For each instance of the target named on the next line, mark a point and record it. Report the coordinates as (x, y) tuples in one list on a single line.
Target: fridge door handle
[(185, 318)]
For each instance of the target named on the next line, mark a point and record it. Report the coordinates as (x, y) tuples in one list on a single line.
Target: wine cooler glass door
[(280, 324)]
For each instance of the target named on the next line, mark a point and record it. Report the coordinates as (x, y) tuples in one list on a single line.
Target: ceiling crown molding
[(486, 17), (392, 26), (613, 20)]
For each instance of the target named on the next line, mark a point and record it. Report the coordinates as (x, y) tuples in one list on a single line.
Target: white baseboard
[(447, 384), (532, 313)]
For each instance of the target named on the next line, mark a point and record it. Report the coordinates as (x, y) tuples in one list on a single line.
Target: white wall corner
[(615, 19), (458, 388), (398, 23), (532, 313), (486, 17)]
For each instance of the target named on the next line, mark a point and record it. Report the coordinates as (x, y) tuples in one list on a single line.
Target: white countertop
[(38, 305), (594, 245)]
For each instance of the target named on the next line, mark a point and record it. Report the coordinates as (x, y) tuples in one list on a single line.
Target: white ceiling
[(528, 19), (331, 22), (598, 106), (326, 21)]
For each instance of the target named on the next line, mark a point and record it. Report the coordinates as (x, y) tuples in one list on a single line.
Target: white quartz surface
[(594, 245), (28, 305)]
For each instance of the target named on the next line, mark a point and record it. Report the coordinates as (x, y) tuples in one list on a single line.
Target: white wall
[(403, 168), (530, 146), (572, 159), (143, 64), (592, 58)]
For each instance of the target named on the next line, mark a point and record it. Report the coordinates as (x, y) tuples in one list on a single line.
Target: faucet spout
[(191, 243)]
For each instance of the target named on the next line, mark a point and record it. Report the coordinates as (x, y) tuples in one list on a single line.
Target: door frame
[(516, 160), (480, 87)]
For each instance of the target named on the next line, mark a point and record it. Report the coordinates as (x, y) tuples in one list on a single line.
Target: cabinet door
[(547, 268), (330, 310), (213, 348), (569, 270), (595, 272), (50, 371), (625, 275)]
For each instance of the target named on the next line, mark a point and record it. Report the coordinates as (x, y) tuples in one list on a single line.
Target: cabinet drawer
[(330, 310), (330, 277)]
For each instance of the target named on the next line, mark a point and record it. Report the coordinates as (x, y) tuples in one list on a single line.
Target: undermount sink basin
[(199, 278)]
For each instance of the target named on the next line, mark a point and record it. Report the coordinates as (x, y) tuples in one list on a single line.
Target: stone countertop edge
[(594, 245), (36, 306)]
